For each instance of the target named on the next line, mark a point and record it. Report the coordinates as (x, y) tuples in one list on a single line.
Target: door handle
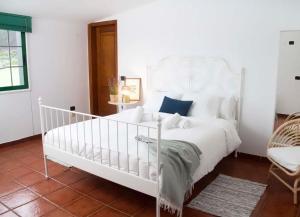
[(297, 77)]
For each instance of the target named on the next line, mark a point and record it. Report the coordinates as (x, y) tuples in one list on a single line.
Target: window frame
[(25, 71)]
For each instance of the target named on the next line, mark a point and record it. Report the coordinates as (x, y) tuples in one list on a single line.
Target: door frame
[(92, 54)]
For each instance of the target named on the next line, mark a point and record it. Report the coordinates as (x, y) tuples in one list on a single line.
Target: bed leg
[(46, 166), (235, 153), (157, 207)]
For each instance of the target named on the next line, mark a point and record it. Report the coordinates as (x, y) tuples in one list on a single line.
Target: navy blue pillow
[(173, 106)]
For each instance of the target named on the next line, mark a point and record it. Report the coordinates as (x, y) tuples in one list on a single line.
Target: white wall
[(57, 65), (244, 32)]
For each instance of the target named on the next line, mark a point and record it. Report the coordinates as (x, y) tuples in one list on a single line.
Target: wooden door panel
[(103, 98), (107, 56), (104, 66), (106, 69)]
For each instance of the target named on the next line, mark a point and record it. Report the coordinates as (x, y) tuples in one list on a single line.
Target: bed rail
[(93, 143)]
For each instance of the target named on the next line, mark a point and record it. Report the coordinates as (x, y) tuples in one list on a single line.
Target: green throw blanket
[(179, 160)]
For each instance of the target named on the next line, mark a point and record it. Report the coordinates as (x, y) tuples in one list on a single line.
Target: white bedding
[(216, 138)]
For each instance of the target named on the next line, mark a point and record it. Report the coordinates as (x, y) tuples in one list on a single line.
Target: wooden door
[(102, 65)]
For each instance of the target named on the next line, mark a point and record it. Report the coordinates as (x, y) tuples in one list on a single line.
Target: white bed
[(216, 138), (106, 146)]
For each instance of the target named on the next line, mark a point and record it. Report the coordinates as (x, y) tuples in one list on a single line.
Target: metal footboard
[(79, 140)]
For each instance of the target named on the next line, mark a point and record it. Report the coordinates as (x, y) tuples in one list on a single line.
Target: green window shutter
[(15, 22)]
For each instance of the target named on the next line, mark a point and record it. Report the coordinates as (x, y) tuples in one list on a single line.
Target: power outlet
[(291, 42), (72, 108)]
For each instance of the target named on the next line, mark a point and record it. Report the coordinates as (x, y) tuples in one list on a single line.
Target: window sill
[(14, 91)]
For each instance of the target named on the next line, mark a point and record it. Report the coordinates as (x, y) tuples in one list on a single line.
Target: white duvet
[(216, 138)]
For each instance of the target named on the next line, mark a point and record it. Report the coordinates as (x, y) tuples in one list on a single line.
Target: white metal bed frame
[(52, 117)]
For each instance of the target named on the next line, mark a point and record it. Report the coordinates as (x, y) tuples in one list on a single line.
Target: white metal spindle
[(41, 118), (46, 120), (52, 128), (84, 141), (127, 147), (63, 119), (100, 138), (43, 139), (71, 139), (92, 139), (57, 127), (118, 144), (76, 119)]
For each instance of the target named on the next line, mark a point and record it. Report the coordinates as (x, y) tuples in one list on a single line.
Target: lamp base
[(125, 99)]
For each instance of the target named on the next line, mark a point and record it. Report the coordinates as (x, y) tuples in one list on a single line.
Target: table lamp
[(125, 91)]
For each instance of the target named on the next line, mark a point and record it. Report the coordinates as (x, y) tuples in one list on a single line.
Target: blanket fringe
[(189, 192), (171, 208)]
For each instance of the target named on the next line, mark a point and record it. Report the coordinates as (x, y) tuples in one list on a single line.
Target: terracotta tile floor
[(24, 191)]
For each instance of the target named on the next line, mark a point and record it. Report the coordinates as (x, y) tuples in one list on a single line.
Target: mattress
[(111, 141)]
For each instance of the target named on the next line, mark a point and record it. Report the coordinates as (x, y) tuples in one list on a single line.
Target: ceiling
[(85, 10)]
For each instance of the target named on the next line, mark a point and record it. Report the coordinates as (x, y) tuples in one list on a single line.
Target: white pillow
[(155, 99), (171, 121), (147, 117), (160, 115), (204, 105), (228, 108), (137, 114), (184, 123)]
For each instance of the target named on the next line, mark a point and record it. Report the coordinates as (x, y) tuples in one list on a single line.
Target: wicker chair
[(284, 153), (293, 116)]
